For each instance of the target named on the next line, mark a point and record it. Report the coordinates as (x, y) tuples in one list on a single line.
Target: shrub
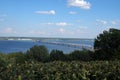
[(16, 57), (57, 55), (84, 55), (20, 58), (38, 53), (58, 70)]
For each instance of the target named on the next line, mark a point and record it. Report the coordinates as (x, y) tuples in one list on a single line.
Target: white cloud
[(72, 12), (115, 22), (62, 24), (107, 22), (61, 30), (83, 27), (37, 32), (78, 20), (79, 3), (9, 30), (103, 22), (51, 12), (81, 31)]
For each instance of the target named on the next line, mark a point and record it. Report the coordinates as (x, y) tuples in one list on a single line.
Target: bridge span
[(80, 46)]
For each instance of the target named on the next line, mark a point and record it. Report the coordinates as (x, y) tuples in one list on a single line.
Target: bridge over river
[(80, 46)]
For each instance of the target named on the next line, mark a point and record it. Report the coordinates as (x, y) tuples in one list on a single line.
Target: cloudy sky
[(58, 18)]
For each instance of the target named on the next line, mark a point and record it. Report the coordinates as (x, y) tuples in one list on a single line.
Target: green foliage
[(56, 55), (117, 53), (29, 66), (2, 62), (84, 55), (2, 56), (106, 44), (20, 58), (94, 70), (17, 57), (38, 53)]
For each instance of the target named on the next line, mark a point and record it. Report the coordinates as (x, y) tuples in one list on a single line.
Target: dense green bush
[(38, 53), (16, 57), (94, 70), (2, 63), (117, 53), (56, 55), (106, 44), (20, 58), (84, 55)]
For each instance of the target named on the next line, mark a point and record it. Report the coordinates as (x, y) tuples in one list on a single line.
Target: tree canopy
[(107, 44), (38, 53)]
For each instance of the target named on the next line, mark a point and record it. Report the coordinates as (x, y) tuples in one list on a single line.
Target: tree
[(117, 53), (106, 44), (38, 53), (57, 55), (84, 55)]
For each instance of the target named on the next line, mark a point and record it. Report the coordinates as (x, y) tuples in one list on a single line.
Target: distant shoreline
[(38, 38)]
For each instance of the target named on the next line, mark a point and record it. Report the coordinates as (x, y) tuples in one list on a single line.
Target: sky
[(58, 18)]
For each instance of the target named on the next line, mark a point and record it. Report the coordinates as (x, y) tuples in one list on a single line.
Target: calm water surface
[(8, 46)]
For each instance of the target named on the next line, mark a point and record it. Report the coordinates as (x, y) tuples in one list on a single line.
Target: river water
[(66, 45)]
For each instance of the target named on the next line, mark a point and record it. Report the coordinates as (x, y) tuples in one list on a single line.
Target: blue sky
[(58, 18)]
